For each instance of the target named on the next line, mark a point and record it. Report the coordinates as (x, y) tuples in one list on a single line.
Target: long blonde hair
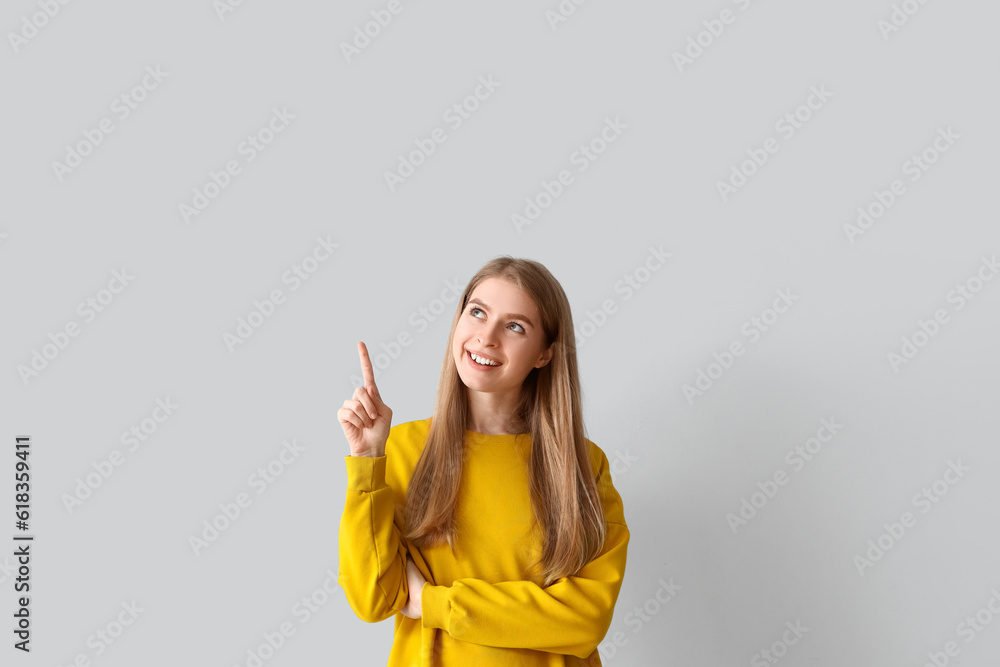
[(564, 494)]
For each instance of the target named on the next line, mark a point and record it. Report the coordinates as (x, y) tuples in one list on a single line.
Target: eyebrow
[(512, 315)]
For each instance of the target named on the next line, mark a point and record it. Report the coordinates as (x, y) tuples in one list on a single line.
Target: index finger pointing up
[(366, 368)]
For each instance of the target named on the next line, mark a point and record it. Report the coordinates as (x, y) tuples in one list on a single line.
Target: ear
[(546, 356)]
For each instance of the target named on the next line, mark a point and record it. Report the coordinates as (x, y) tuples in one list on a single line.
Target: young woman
[(491, 530)]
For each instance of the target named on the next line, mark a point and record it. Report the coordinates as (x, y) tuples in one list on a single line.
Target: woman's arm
[(372, 555), (372, 568), (569, 617)]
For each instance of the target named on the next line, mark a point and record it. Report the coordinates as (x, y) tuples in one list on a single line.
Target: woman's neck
[(494, 414)]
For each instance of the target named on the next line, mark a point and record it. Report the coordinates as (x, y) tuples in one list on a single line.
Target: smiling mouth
[(495, 363)]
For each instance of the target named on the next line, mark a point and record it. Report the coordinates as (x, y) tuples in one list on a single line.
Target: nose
[(488, 335)]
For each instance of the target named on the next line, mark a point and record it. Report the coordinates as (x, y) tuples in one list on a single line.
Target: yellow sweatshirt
[(479, 609)]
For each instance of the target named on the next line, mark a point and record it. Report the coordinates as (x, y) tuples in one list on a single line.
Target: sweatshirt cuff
[(435, 606), (365, 473)]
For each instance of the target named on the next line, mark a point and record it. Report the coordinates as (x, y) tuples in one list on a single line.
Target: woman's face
[(501, 323)]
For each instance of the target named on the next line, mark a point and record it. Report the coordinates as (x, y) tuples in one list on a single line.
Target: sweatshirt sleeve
[(569, 617), (372, 569)]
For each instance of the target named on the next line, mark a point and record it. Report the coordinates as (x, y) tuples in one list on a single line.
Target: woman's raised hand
[(364, 417)]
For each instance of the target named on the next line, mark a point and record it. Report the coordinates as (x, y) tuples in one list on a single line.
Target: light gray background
[(682, 465)]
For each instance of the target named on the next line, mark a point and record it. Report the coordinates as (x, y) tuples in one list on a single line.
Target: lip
[(469, 353)]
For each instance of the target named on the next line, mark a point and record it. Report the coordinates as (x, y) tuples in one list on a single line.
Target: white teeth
[(481, 361)]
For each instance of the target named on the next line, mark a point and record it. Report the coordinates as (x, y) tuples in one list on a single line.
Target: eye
[(474, 309)]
